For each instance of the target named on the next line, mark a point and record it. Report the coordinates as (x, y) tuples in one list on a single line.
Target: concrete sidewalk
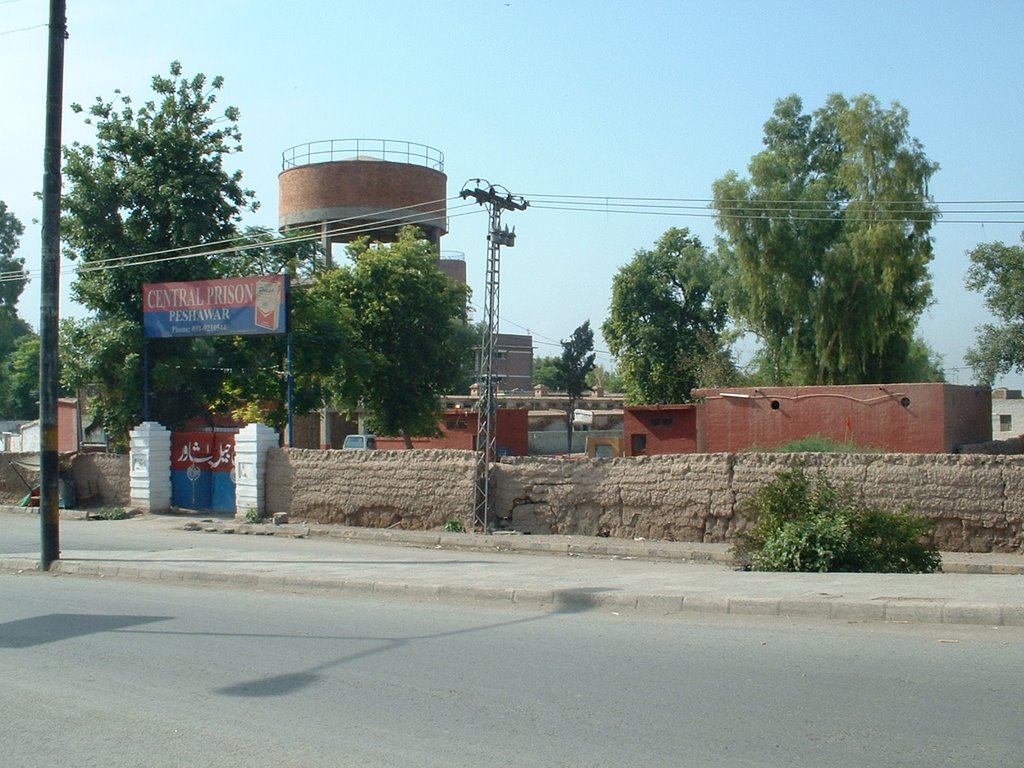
[(567, 572)]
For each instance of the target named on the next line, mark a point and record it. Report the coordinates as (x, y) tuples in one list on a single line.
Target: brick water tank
[(347, 188)]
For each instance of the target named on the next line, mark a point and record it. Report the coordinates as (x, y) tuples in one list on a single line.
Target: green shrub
[(454, 525), (110, 513), (805, 525), (253, 517)]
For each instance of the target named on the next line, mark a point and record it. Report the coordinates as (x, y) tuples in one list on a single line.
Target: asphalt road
[(105, 673)]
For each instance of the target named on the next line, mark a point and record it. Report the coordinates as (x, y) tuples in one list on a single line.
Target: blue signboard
[(244, 306)]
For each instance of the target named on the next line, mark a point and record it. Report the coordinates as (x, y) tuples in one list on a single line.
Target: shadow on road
[(53, 627)]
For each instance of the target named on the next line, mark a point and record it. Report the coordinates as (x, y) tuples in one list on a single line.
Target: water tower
[(347, 188)]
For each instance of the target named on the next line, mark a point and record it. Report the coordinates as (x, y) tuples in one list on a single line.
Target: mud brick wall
[(12, 487), (102, 479), (376, 489), (977, 501), (675, 498)]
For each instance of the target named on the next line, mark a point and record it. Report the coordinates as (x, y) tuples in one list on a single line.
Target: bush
[(110, 513), (805, 525), (253, 517), (454, 525)]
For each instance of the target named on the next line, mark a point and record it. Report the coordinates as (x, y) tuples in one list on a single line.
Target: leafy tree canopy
[(408, 318), (576, 362), (607, 379), (152, 187), (19, 380), (997, 272), (545, 369), (667, 322), (153, 183), (836, 213), (106, 355), (12, 268)]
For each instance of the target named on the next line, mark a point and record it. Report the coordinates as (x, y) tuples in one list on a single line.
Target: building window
[(1005, 422), (661, 421)]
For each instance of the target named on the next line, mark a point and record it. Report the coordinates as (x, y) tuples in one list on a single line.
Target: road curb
[(581, 546), (894, 610)]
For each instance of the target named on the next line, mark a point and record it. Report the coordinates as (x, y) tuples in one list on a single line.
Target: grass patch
[(110, 513), (815, 444)]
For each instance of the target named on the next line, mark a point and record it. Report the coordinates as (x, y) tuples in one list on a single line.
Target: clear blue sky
[(610, 99)]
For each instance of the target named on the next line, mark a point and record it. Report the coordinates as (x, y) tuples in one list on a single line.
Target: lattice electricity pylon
[(497, 199)]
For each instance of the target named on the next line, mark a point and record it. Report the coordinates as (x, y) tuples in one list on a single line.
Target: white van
[(360, 443)]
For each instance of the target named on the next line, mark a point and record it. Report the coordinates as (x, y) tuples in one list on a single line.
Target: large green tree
[(828, 241), (19, 380), (572, 370), (13, 330), (409, 320), (327, 361), (997, 272), (149, 194), (153, 184), (667, 322), (12, 268), (106, 356)]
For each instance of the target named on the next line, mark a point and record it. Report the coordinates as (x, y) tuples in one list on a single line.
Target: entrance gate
[(202, 471)]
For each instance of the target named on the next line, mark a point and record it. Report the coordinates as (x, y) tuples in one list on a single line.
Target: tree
[(12, 283), (572, 369), (19, 380), (327, 361), (545, 369), (606, 379), (667, 323), (408, 318), (153, 187), (997, 272), (15, 402), (105, 354), (836, 213), (154, 183), (12, 268)]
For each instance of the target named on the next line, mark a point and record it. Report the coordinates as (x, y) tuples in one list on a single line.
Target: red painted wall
[(459, 433), (660, 429), (898, 418)]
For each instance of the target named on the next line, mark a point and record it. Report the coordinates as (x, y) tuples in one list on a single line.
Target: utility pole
[(496, 199), (49, 364)]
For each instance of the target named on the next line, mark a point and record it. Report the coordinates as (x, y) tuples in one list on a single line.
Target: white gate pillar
[(150, 456), (251, 446)]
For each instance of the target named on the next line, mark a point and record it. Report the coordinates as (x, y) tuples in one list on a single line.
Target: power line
[(709, 200), (211, 249), (875, 211), (22, 29), (245, 242)]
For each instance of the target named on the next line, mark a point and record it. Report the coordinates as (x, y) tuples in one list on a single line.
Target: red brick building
[(649, 430), (897, 418), (459, 433)]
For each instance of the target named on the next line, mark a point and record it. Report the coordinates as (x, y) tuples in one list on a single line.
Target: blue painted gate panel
[(202, 476)]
